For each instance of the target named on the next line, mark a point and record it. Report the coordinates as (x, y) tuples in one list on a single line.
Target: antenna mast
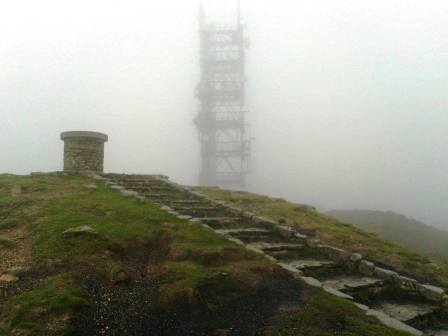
[(221, 124)]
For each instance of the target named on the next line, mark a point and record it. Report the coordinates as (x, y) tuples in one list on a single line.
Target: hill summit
[(116, 254)]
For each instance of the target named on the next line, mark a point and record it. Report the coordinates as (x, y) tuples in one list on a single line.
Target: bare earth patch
[(18, 255)]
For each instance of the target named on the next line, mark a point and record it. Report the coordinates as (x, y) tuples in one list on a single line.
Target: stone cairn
[(341, 273), (83, 151)]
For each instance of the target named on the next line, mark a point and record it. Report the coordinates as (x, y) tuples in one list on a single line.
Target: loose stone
[(312, 282), (337, 293), (431, 293), (385, 274), (355, 257), (408, 283), (290, 268), (366, 267), (129, 192), (334, 253), (80, 231), (286, 232)]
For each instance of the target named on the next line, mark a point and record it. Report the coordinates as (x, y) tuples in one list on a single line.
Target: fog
[(348, 98)]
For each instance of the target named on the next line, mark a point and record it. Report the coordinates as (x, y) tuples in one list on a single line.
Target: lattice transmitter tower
[(225, 147)]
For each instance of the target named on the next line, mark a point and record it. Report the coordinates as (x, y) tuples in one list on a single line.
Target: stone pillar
[(83, 151)]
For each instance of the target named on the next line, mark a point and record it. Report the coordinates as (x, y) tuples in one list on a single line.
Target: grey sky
[(348, 98)]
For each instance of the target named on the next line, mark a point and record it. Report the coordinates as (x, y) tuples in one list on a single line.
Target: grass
[(6, 242), (51, 204), (330, 312), (188, 262), (343, 235), (58, 297), (8, 224)]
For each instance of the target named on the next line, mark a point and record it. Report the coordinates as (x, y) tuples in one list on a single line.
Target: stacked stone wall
[(83, 151)]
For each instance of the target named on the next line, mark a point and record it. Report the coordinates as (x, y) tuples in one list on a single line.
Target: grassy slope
[(332, 231), (191, 265), (413, 234)]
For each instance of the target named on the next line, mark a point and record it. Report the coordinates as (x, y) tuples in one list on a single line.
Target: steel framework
[(225, 147)]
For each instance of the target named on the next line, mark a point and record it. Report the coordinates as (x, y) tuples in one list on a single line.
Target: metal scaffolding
[(225, 147)]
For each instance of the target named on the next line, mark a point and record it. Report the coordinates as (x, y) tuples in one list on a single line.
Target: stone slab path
[(338, 272)]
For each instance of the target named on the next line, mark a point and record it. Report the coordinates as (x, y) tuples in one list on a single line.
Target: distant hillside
[(413, 234)]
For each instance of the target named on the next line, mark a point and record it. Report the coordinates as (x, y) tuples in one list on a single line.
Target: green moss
[(32, 309), (323, 314)]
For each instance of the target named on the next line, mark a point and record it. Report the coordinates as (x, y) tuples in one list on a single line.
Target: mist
[(348, 98)]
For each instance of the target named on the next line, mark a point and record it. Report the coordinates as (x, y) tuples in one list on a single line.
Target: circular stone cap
[(84, 134)]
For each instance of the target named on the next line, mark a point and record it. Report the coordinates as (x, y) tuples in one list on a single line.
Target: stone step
[(249, 235), (187, 202), (406, 312), (155, 195), (243, 231), (139, 188), (151, 189), (249, 239), (234, 223), (303, 264), (279, 255), (393, 323), (382, 317), (140, 182), (218, 219), (200, 208), (204, 213), (351, 282), (392, 292), (336, 292), (278, 247), (133, 176), (168, 196), (435, 332), (182, 201)]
